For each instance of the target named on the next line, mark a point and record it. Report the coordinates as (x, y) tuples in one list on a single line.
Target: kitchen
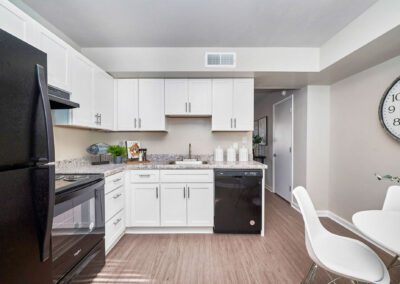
[(128, 147)]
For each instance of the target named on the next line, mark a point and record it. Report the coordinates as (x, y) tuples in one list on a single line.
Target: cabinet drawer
[(114, 228), (187, 176), (114, 181), (114, 202), (145, 176)]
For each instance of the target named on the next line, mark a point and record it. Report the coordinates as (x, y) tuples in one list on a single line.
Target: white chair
[(392, 199), (392, 203), (341, 256)]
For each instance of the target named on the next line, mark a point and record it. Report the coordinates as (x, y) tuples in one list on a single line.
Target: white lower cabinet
[(114, 209), (173, 205), (170, 198), (144, 205), (200, 204)]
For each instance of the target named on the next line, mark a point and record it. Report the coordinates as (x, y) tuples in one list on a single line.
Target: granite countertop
[(110, 169)]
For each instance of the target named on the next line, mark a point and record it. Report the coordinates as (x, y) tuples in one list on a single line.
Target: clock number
[(395, 97), (391, 109), (396, 121)]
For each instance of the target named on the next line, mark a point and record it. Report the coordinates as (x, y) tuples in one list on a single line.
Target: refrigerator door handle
[(44, 212), (41, 78)]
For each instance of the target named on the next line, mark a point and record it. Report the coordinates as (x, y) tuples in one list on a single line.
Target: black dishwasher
[(237, 204)]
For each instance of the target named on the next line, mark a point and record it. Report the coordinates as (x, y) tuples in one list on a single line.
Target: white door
[(173, 204), (57, 60), (104, 99), (200, 204), (200, 97), (144, 205), (222, 96), (243, 104), (151, 105), (282, 148), (127, 104), (81, 75), (176, 96)]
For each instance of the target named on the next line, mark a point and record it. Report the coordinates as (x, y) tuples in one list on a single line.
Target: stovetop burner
[(68, 181)]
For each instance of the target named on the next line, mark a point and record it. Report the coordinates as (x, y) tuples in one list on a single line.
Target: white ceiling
[(199, 23)]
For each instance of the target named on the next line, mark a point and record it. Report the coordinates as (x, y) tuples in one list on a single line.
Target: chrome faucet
[(190, 151)]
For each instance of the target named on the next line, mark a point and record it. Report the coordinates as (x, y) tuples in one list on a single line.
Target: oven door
[(78, 226)]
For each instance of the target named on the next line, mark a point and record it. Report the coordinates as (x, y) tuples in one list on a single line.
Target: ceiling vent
[(220, 59)]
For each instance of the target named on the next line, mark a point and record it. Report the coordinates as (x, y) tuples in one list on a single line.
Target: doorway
[(283, 148)]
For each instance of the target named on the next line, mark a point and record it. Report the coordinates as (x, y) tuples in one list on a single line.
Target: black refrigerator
[(26, 164)]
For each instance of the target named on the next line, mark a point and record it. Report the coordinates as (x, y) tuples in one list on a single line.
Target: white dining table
[(381, 227)]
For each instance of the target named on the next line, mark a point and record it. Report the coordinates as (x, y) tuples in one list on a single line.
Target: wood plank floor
[(279, 257)]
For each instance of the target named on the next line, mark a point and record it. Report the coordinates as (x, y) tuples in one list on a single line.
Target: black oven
[(78, 225)]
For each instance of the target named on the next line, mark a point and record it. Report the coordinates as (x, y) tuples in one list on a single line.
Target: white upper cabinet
[(127, 99), (222, 98), (81, 75), (176, 97), (57, 59), (233, 104), (103, 99), (151, 105), (188, 97), (243, 104)]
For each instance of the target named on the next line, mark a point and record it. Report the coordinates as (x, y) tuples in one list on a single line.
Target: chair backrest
[(392, 199), (312, 225)]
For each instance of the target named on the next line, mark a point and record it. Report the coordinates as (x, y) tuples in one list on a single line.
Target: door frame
[(273, 143)]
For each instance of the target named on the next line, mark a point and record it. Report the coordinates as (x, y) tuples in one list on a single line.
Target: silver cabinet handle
[(134, 122), (97, 118), (77, 252), (188, 192), (157, 192), (117, 221), (231, 123), (117, 195), (100, 119), (117, 180), (190, 107), (143, 176), (186, 107), (140, 123), (184, 192), (234, 122)]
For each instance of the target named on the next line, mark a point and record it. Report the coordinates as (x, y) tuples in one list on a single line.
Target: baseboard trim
[(169, 230), (349, 226)]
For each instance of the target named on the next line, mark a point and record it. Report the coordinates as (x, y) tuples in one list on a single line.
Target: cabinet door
[(81, 75), (127, 104), (104, 99), (243, 104), (200, 98), (143, 205), (176, 97), (12, 21), (222, 96), (173, 204), (200, 204), (151, 105), (57, 59)]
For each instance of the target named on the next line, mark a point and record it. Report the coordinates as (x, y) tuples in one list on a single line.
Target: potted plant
[(117, 152), (257, 139)]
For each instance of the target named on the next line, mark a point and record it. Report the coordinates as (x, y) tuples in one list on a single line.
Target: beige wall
[(359, 147), (72, 143)]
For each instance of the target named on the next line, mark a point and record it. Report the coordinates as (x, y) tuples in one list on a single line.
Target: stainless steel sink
[(188, 162)]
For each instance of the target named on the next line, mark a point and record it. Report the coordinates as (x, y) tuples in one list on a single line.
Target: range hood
[(59, 99)]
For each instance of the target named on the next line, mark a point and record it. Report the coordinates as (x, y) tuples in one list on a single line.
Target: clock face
[(389, 110)]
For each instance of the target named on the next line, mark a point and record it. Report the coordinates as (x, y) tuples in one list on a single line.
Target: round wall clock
[(389, 110)]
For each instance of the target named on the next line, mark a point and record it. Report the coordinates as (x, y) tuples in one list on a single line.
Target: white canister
[(231, 154), (218, 154), (243, 154)]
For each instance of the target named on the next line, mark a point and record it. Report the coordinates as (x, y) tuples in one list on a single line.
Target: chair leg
[(311, 274), (393, 262)]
